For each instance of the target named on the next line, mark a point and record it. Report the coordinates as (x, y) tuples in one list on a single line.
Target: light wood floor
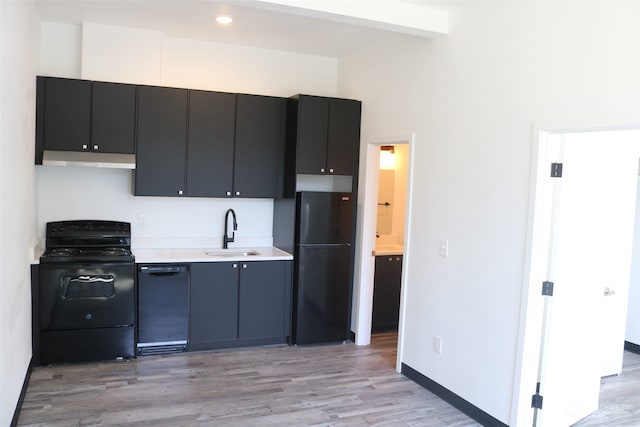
[(338, 385)]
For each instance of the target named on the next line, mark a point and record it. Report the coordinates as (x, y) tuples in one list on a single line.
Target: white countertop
[(389, 249), (215, 255)]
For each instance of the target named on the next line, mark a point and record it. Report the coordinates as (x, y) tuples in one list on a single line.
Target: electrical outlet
[(142, 220), (437, 344), (444, 248)]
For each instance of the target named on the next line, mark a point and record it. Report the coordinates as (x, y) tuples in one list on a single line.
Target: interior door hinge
[(547, 289), (556, 170), (536, 401)]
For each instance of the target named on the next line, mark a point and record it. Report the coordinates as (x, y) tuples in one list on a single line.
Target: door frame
[(366, 241), (535, 261)]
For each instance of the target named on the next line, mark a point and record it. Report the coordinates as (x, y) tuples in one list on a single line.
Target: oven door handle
[(92, 279)]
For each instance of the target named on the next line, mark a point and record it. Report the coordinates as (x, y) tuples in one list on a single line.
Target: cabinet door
[(313, 116), (383, 277), (161, 146), (210, 144), (262, 299), (67, 117), (213, 314), (386, 292), (343, 140), (113, 118), (259, 149)]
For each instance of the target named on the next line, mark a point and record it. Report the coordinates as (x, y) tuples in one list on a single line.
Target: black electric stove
[(87, 292)]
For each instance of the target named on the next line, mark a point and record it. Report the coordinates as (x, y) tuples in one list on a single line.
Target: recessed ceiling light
[(224, 20)]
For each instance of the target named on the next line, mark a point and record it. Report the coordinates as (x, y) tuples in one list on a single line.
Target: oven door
[(80, 296)]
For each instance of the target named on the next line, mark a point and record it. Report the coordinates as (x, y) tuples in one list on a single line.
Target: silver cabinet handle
[(95, 147), (331, 170), (180, 192), (237, 193), (322, 170), (608, 292), (244, 265), (229, 193), (85, 147), (235, 265)]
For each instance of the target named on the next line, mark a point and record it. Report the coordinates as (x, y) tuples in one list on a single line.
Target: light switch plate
[(444, 248)]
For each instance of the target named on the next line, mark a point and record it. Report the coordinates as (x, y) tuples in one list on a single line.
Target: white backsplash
[(67, 193)]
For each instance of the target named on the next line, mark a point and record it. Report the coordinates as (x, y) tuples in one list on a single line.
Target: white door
[(590, 250)]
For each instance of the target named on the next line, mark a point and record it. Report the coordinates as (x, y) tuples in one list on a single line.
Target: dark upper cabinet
[(327, 135), (386, 292), (161, 141), (113, 118), (235, 145), (66, 105), (343, 136), (213, 310), (80, 115), (312, 120), (210, 144), (259, 145)]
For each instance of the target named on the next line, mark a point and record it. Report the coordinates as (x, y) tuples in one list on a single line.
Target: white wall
[(472, 98), (18, 53), (114, 54), (633, 312)]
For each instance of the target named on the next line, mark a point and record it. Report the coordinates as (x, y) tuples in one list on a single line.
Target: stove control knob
[(89, 316)]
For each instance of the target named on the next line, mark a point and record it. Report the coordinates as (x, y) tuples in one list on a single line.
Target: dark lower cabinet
[(262, 300), (214, 303), (239, 304), (386, 293)]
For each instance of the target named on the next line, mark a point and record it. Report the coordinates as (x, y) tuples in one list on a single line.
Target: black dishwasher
[(163, 308)]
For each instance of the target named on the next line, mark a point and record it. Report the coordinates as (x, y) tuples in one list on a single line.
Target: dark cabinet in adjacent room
[(326, 133), (161, 147), (239, 303), (386, 292)]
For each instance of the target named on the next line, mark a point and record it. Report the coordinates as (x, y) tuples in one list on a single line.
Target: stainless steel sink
[(231, 253)]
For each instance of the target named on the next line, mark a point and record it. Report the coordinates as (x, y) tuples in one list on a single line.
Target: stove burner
[(78, 252), (58, 252)]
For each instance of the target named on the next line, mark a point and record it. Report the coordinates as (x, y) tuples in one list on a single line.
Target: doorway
[(601, 190), (389, 246), (366, 233)]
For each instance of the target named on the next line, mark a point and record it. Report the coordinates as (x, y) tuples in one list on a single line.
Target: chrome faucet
[(225, 239)]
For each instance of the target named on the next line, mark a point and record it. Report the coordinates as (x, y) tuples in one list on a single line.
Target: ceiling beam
[(389, 15)]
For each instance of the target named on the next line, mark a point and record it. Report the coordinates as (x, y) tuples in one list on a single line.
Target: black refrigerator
[(323, 267)]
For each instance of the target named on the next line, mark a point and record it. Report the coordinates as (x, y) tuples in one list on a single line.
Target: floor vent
[(161, 349)]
